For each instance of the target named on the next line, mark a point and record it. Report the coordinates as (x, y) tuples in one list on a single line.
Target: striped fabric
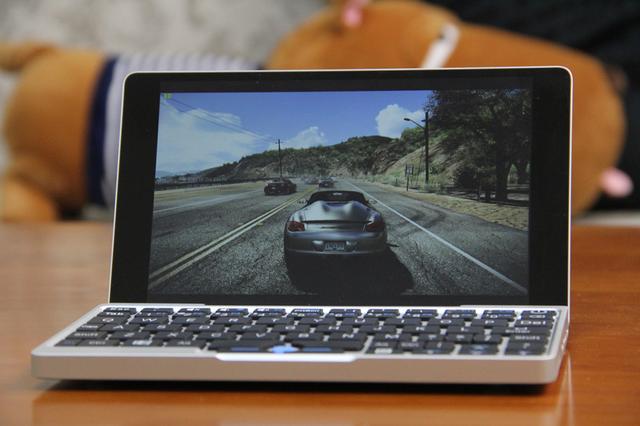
[(112, 101)]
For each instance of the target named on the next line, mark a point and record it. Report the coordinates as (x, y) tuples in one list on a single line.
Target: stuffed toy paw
[(62, 121)]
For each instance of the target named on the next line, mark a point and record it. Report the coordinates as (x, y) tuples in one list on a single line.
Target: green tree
[(483, 129)]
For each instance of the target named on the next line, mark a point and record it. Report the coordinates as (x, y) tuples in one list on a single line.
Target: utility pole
[(425, 129), (426, 147), (280, 158)]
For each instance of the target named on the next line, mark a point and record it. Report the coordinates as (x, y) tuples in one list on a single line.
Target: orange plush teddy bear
[(48, 119)]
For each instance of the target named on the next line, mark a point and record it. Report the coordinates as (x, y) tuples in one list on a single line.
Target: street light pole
[(425, 129), (280, 158), (426, 147)]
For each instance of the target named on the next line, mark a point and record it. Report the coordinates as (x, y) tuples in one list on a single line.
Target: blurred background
[(248, 29)]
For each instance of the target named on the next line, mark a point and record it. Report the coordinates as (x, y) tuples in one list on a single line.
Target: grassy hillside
[(357, 156)]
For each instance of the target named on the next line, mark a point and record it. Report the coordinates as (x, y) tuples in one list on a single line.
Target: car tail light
[(295, 226), (374, 225)]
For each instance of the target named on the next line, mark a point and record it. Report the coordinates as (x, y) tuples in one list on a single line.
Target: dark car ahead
[(326, 183), (335, 223), (279, 186)]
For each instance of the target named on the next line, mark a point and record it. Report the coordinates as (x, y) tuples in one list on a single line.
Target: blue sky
[(203, 130)]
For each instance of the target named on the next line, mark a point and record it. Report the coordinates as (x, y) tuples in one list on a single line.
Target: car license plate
[(334, 246)]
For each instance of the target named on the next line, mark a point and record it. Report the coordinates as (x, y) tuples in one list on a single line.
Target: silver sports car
[(335, 223)]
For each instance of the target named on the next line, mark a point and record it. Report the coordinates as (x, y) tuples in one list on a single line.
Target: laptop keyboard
[(311, 330)]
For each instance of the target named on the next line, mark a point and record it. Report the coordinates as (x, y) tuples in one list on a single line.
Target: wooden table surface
[(51, 274)]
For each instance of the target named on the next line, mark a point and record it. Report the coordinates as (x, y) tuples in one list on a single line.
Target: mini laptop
[(341, 226)]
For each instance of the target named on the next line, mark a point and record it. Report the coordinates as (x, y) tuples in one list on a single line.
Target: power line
[(220, 121)]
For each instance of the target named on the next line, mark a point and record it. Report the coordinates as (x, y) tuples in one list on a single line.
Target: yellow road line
[(185, 261)]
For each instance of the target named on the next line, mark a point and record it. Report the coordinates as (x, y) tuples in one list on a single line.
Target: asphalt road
[(229, 240)]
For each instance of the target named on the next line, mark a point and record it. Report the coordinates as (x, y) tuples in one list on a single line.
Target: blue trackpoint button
[(283, 349)]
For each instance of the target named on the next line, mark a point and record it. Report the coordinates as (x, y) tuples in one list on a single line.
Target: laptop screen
[(377, 192)]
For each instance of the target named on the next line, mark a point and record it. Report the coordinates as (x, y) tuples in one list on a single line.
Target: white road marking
[(159, 276), (461, 252), (211, 201)]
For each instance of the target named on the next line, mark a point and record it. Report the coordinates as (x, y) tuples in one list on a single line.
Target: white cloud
[(390, 120), (190, 140), (312, 136)]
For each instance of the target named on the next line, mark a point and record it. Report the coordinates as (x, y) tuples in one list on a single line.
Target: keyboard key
[(459, 338), (306, 312), (216, 335), (443, 346), (487, 338), (159, 310), (344, 313), (382, 313), (373, 329), (260, 336), (142, 343), (89, 342), (347, 336), (232, 320), (430, 329), (360, 321), (241, 346), (456, 329), (114, 314), (328, 329), (108, 320), (304, 336), (180, 314), (516, 346), (280, 320), (431, 337), (152, 314), (534, 323), (318, 321), (536, 317), (150, 320), (423, 314), (465, 314), (248, 328), (539, 312), (130, 335), (431, 351), (120, 309), (410, 346), (68, 342), (198, 328), (90, 327), (446, 322), (524, 352), (193, 310), (190, 320), (490, 323), (402, 322), (173, 335), (119, 327), (321, 348), (237, 311), (508, 331), (539, 338), (187, 343), (478, 349), (268, 312), (391, 337), (92, 335), (165, 327), (290, 328)]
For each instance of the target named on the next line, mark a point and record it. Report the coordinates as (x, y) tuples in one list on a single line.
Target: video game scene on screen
[(380, 192)]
